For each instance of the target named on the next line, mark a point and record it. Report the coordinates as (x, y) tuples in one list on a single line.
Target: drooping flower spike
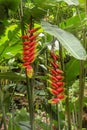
[(55, 80), (30, 50)]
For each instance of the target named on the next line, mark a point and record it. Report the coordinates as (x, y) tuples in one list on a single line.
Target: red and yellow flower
[(55, 80), (30, 50)]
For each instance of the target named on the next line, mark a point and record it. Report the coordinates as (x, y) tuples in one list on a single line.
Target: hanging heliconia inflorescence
[(55, 80), (30, 50)]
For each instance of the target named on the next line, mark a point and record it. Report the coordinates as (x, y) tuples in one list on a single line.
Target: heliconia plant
[(30, 50), (55, 80)]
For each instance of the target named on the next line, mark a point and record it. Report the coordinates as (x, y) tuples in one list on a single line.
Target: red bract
[(31, 53), (26, 43), (26, 48), (59, 71), (54, 101), (60, 84), (53, 91), (59, 77), (61, 96), (31, 59), (32, 43), (55, 65), (25, 37), (53, 78), (54, 85), (53, 72), (60, 90), (29, 71), (34, 30), (26, 64), (54, 56), (33, 37), (26, 52), (26, 58), (32, 48)]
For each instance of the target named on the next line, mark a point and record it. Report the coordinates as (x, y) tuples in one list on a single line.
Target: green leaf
[(68, 40), (72, 70), (12, 76), (73, 22), (10, 4), (24, 125), (72, 2)]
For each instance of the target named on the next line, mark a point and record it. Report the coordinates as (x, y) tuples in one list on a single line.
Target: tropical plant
[(40, 43)]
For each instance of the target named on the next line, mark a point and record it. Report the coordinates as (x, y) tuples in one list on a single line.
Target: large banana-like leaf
[(68, 40)]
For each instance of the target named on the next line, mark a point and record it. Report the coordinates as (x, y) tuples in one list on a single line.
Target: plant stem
[(3, 110), (68, 109), (58, 118), (67, 89), (81, 93), (86, 8), (47, 84), (51, 121), (21, 18), (82, 78), (30, 101), (31, 91)]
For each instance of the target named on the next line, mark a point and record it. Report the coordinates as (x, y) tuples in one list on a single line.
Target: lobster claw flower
[(25, 58), (31, 59), (53, 84), (26, 43), (26, 48), (59, 77), (60, 84), (60, 90), (26, 53), (54, 56), (55, 80), (33, 37), (25, 37), (25, 64), (29, 71), (34, 30), (53, 91), (30, 50), (59, 71), (61, 96), (53, 72), (54, 100), (55, 65), (33, 43)]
